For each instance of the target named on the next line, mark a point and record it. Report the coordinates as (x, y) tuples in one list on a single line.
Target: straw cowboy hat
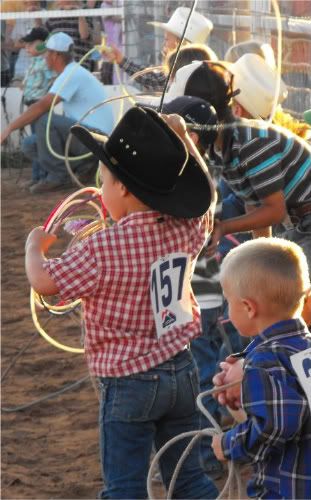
[(198, 28), (149, 158), (257, 82), (255, 79)]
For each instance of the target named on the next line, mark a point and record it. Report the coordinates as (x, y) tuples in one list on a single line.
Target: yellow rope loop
[(73, 201)]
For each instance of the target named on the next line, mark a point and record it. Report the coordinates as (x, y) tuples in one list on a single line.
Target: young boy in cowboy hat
[(140, 313), (197, 32)]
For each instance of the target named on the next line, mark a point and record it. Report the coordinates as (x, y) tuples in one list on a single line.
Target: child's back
[(121, 336)]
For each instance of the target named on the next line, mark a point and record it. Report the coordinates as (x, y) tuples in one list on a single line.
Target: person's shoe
[(157, 478), (45, 186)]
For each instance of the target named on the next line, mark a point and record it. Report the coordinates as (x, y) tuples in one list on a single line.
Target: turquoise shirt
[(38, 79), (80, 91)]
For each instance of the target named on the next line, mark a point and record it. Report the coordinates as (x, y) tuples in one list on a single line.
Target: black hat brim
[(190, 198)]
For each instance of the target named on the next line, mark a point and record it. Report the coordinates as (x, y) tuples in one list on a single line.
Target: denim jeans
[(206, 350), (29, 149), (59, 131), (145, 409), (232, 206), (301, 234)]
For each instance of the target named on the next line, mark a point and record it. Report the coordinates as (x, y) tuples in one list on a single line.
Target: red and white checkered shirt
[(110, 271)]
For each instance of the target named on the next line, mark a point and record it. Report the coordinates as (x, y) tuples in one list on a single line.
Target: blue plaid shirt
[(276, 437), (38, 79)]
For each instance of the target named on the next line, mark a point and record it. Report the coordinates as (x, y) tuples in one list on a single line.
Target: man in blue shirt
[(79, 91)]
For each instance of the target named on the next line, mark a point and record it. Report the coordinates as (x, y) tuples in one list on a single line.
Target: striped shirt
[(111, 271), (276, 437), (70, 25), (260, 160)]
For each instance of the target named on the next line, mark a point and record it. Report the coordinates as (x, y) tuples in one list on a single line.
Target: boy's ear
[(195, 137), (237, 109), (250, 307), (123, 189)]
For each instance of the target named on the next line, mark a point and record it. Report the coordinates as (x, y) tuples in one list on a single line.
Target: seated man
[(79, 91)]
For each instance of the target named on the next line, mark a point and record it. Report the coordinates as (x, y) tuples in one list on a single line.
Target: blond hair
[(273, 271)]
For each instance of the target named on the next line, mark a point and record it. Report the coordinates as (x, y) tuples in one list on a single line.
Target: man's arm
[(271, 211), (30, 115), (84, 29)]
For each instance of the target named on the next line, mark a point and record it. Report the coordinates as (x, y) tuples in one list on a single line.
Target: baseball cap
[(38, 33), (195, 111), (60, 42)]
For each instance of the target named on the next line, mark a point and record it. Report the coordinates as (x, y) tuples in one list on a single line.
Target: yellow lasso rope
[(36, 300)]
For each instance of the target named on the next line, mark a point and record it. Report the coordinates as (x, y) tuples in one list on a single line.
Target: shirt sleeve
[(152, 80), (65, 86), (264, 166), (274, 408), (77, 272)]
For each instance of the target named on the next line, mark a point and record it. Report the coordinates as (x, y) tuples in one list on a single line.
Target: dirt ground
[(49, 449)]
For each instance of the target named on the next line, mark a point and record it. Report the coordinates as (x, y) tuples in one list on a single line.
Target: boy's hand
[(5, 134), (216, 445), (176, 123), (232, 371), (39, 238), (113, 54)]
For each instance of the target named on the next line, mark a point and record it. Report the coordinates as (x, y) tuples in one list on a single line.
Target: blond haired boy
[(265, 282)]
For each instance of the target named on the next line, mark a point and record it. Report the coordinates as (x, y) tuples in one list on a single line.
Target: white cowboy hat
[(198, 28), (179, 83), (255, 79), (257, 82)]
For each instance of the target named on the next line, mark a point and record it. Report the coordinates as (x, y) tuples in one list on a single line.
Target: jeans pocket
[(134, 397)]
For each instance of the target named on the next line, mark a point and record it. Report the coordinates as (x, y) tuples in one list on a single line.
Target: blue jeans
[(206, 350), (59, 131), (29, 149), (232, 206), (145, 409), (301, 234)]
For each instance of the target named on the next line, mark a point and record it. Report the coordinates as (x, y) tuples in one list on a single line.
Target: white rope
[(233, 469)]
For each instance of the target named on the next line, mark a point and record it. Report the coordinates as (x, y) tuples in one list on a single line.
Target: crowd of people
[(176, 287)]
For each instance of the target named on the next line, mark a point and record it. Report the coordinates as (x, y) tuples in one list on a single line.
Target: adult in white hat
[(197, 31), (269, 168), (255, 84)]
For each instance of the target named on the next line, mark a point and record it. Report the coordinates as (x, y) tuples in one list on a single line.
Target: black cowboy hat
[(149, 158)]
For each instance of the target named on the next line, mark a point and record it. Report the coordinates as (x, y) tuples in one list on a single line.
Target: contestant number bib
[(301, 362), (170, 291)]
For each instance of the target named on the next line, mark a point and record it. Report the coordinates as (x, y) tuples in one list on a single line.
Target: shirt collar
[(286, 328), (149, 217)]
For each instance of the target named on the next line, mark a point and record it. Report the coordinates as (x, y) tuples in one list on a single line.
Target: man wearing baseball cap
[(197, 32), (79, 91)]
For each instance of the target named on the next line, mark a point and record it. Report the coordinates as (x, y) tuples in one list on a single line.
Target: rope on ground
[(22, 350), (51, 395)]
